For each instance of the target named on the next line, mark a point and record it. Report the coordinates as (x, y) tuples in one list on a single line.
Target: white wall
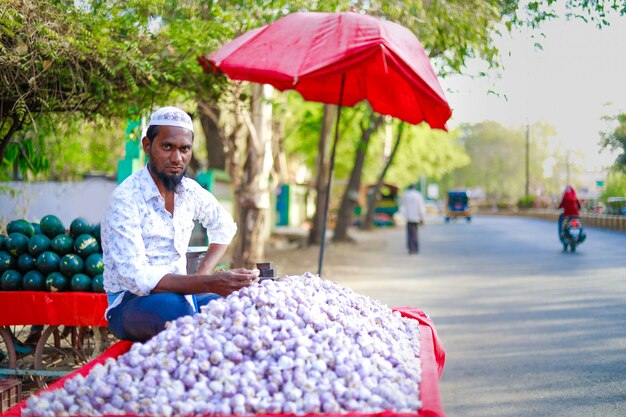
[(66, 200)]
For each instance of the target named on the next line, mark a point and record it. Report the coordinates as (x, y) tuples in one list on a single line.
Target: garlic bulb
[(295, 345)]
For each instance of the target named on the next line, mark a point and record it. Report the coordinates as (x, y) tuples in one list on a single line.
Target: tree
[(368, 126), (616, 140), (498, 159), (59, 59)]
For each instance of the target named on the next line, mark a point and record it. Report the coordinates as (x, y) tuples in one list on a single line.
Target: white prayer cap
[(171, 116)]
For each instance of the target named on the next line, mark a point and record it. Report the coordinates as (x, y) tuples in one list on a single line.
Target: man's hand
[(225, 282), (221, 282)]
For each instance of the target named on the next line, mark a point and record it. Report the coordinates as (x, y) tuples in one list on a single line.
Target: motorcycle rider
[(570, 205)]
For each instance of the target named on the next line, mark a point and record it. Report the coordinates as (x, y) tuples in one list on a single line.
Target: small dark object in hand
[(263, 265), (265, 270)]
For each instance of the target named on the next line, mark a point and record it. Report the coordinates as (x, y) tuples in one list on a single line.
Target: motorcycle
[(572, 233)]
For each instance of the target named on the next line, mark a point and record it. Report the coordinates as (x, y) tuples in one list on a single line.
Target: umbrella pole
[(331, 171)]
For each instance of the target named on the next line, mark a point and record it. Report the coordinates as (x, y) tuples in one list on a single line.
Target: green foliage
[(422, 152), (615, 185), (498, 163), (119, 59), (616, 140), (528, 201)]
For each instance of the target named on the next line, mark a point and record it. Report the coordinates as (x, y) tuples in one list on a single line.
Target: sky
[(577, 78)]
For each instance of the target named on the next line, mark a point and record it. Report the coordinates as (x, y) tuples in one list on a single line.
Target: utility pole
[(527, 159)]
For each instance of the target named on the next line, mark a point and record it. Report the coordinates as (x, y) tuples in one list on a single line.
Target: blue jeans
[(138, 318)]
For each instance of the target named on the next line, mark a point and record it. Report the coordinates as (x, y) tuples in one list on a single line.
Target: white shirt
[(142, 241), (412, 206)]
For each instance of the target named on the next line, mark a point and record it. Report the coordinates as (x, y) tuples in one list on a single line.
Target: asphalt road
[(528, 329)]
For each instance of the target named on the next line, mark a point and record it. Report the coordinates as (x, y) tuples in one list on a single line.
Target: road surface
[(528, 329)]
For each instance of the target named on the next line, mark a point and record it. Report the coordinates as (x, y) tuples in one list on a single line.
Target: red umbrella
[(340, 58)]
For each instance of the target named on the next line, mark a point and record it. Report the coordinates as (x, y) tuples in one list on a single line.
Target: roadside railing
[(603, 221)]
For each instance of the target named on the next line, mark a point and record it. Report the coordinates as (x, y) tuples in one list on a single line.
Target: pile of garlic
[(296, 345)]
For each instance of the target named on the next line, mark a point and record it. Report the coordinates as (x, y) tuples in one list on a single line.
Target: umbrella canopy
[(340, 58), (380, 61)]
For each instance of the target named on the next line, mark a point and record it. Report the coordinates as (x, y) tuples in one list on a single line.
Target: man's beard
[(170, 182)]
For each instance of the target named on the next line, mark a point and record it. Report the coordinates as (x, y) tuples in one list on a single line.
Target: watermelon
[(71, 264), (51, 226), (3, 241), (97, 283), (7, 261), (38, 243), (62, 244), (94, 264), (33, 281), (11, 280), (48, 262), (17, 243), (85, 245), (25, 263), (20, 226), (80, 282), (56, 282), (80, 226), (36, 227), (95, 232)]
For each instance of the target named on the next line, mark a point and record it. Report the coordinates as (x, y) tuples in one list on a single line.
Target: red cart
[(70, 330), (432, 358)]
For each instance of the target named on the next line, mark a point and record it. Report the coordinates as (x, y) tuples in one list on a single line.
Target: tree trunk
[(371, 200), (322, 166), (214, 134), (350, 196), (253, 193)]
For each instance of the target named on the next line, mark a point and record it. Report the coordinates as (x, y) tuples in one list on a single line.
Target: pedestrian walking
[(413, 208)]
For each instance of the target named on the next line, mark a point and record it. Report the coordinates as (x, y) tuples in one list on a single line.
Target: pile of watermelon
[(45, 256)]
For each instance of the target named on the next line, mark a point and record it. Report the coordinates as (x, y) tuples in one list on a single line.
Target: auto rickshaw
[(458, 206)]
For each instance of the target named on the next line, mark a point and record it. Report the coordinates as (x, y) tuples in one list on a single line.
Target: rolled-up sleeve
[(126, 262)]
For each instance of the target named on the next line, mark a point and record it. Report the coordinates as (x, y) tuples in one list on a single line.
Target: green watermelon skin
[(57, 282), (38, 243), (11, 280), (80, 226), (80, 282), (3, 242), (51, 226), (85, 245), (97, 283), (17, 243), (62, 244), (20, 226), (48, 262), (25, 263), (71, 264), (95, 232), (33, 281), (7, 261), (37, 228), (94, 265)]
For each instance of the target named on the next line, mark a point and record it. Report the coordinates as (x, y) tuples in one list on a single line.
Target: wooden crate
[(10, 393)]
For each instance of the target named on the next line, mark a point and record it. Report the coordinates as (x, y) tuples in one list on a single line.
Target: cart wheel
[(7, 351), (93, 341), (57, 353)]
